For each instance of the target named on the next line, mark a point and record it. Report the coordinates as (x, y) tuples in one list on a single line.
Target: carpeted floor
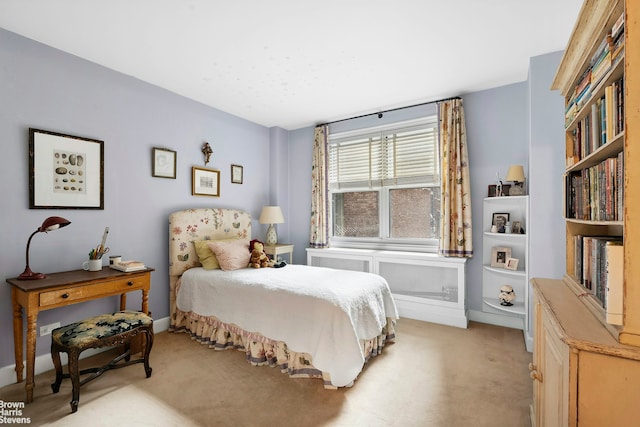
[(433, 375)]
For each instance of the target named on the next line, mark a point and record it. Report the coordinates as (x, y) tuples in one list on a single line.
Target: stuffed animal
[(258, 258)]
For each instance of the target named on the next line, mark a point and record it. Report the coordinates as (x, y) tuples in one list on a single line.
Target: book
[(129, 265), (614, 293), (618, 26)]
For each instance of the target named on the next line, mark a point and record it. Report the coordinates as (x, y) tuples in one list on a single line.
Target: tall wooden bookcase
[(586, 367), (596, 20)]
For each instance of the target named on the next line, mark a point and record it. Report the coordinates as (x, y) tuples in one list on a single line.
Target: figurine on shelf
[(507, 295), (207, 151), (498, 185)]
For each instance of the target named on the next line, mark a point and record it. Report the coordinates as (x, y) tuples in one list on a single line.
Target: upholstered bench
[(101, 331)]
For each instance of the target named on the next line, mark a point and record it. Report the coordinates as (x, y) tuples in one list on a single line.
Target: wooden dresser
[(582, 375)]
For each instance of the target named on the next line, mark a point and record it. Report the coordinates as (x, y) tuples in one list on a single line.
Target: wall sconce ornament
[(207, 151)]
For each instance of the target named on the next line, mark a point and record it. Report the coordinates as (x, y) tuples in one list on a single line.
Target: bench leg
[(55, 355), (74, 374), (147, 350)]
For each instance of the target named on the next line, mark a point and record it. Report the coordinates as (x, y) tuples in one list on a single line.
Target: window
[(384, 186)]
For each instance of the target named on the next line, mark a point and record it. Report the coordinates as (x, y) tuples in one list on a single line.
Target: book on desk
[(128, 266)]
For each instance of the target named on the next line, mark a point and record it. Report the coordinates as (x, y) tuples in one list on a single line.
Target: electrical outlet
[(46, 329)]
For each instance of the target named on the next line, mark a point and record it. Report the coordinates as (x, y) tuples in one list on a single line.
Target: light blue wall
[(496, 122), (546, 159), (48, 89)]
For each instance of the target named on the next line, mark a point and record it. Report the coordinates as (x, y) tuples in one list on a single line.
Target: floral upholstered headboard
[(200, 224)]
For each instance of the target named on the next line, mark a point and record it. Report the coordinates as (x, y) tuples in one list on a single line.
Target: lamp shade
[(271, 215), (53, 223), (515, 173)]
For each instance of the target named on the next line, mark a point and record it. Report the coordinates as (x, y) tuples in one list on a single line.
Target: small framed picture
[(516, 227), (500, 219), (236, 174), (163, 163), (499, 256), (511, 264), (205, 182)]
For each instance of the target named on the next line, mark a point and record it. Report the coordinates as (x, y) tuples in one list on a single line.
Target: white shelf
[(493, 278), (505, 235), (518, 273), (517, 308)]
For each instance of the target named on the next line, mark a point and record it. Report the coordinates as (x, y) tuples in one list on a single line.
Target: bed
[(310, 322)]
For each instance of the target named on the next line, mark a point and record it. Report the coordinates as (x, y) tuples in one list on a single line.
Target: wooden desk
[(279, 248), (61, 289)]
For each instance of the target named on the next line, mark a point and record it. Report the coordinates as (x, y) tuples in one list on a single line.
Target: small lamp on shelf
[(516, 175), (49, 224), (271, 215)]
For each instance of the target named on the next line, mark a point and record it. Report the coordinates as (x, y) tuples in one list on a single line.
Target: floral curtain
[(319, 230), (455, 218)]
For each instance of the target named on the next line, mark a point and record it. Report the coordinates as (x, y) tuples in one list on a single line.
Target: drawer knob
[(65, 295), (129, 283), (531, 366), (535, 375)]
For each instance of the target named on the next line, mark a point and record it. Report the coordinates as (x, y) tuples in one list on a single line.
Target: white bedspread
[(320, 311)]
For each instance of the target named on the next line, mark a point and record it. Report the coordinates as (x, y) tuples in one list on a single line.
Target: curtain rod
[(379, 113)]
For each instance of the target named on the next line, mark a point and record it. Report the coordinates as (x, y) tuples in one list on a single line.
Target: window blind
[(389, 158)]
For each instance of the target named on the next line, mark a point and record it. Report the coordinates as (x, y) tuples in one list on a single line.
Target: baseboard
[(44, 363), (528, 342), (496, 319)]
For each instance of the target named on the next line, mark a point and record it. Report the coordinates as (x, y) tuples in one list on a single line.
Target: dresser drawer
[(95, 290)]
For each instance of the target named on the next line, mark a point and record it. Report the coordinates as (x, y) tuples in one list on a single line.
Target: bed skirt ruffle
[(260, 350)]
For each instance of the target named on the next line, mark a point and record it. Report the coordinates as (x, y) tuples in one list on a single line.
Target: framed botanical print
[(163, 163), (65, 171), (236, 174), (205, 182)]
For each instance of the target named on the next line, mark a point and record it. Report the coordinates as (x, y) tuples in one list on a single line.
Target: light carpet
[(433, 375)]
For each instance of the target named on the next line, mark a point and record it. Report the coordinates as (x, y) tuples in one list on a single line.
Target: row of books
[(598, 262), (607, 55), (597, 193), (605, 122)]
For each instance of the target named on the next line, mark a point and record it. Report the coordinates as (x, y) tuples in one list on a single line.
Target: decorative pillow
[(205, 254), (231, 255)]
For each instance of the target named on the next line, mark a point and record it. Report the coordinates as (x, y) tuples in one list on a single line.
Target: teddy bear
[(258, 258)]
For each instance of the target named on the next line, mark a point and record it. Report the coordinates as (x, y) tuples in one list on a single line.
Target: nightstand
[(279, 249)]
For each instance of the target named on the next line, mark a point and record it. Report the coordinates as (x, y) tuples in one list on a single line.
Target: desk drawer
[(95, 290)]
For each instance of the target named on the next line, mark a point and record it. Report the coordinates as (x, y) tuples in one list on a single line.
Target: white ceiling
[(296, 63)]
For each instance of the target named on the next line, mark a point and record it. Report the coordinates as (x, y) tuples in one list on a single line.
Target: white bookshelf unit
[(493, 278), (424, 286)]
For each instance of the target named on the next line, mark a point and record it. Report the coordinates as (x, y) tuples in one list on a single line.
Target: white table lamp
[(516, 175), (271, 215)]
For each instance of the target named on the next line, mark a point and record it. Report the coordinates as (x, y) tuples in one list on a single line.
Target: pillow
[(231, 255), (205, 254)]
